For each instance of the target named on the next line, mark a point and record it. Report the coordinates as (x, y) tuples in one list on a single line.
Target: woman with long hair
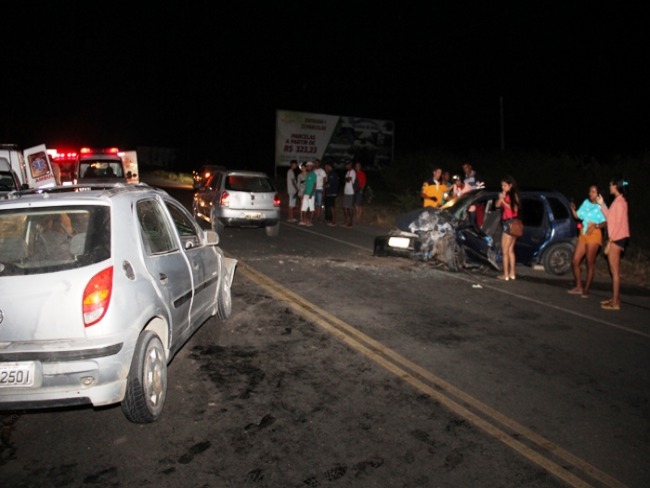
[(589, 241), (618, 229), (510, 205)]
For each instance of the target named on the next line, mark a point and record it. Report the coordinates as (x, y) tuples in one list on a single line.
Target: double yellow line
[(551, 457)]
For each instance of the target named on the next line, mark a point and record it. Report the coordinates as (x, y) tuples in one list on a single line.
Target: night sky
[(207, 78)]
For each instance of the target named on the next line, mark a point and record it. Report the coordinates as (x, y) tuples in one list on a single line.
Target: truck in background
[(31, 167), (68, 162)]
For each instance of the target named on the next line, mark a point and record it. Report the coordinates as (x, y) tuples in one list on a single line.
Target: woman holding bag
[(618, 229), (510, 205)]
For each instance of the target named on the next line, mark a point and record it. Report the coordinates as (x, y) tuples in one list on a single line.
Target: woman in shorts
[(618, 229), (589, 240), (510, 205)]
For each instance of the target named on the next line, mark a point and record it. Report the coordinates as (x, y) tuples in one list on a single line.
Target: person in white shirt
[(292, 190), (348, 194), (319, 199)]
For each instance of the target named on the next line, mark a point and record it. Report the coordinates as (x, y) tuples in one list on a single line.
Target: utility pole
[(503, 146)]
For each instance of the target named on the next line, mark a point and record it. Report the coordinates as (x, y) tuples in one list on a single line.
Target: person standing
[(618, 230), (471, 177), (433, 190), (292, 190), (300, 178), (358, 191), (510, 205), (307, 206), (331, 192), (348, 194), (320, 185), (590, 239)]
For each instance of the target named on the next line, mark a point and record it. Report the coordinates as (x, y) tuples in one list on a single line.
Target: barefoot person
[(618, 229), (510, 205), (589, 241)]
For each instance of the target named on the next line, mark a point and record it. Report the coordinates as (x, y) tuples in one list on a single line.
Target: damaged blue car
[(466, 232)]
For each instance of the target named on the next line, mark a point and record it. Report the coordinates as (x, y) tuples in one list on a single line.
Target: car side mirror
[(211, 237)]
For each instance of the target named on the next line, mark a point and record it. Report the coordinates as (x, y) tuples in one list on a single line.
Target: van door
[(38, 168)]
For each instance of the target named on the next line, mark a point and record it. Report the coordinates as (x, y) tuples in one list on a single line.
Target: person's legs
[(592, 253), (614, 259), (578, 255), (511, 257), (508, 268)]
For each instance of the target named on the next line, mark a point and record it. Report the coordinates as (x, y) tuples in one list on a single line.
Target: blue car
[(466, 232)]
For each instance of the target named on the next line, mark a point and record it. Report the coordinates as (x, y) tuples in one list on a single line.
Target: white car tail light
[(97, 296)]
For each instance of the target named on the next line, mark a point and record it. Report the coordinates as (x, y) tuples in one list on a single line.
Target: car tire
[(273, 230), (457, 258), (224, 299), (557, 259), (217, 225), (146, 387)]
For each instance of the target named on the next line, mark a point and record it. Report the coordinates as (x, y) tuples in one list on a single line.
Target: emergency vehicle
[(32, 167), (105, 165)]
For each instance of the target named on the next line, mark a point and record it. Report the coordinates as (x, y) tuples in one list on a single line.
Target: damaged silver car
[(98, 291)]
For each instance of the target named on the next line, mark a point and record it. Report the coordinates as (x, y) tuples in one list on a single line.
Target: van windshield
[(45, 240), (101, 169)]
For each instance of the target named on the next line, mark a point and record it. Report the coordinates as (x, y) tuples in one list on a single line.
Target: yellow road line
[(434, 386)]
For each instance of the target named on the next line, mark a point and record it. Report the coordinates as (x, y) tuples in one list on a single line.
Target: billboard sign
[(333, 138)]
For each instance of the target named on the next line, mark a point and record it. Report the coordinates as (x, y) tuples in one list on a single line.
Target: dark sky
[(207, 77)]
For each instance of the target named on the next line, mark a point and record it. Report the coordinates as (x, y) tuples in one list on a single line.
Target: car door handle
[(163, 278), (195, 265)]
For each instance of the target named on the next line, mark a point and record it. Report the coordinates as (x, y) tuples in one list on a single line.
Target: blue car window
[(559, 210), (532, 212)]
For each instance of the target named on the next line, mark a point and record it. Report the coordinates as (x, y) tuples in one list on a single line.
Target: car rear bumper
[(249, 218), (94, 376)]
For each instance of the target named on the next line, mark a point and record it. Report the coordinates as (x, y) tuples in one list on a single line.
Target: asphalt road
[(341, 369)]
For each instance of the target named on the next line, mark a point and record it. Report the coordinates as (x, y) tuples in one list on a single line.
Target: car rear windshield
[(101, 169), (249, 183), (50, 239)]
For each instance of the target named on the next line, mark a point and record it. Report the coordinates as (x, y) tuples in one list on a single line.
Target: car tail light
[(276, 200), (97, 296), (224, 201)]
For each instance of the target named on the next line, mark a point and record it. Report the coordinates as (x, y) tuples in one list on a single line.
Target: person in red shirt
[(618, 230), (510, 205), (358, 192)]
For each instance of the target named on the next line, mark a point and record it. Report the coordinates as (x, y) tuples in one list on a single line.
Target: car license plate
[(17, 374), (253, 215), (399, 242)]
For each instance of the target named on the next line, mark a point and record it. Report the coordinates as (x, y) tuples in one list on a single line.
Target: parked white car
[(234, 198), (98, 290)]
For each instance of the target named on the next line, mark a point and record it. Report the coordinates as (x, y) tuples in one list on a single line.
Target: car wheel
[(273, 230), (224, 299), (217, 225), (557, 259), (146, 387), (456, 260)]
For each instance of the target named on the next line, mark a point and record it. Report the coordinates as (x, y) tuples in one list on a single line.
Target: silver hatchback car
[(232, 198), (98, 290)]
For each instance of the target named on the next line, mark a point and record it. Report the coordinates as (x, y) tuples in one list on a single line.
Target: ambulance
[(31, 167)]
